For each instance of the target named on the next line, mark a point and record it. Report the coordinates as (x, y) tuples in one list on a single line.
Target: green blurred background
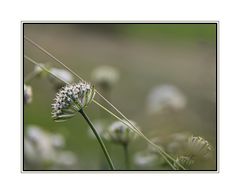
[(146, 55)]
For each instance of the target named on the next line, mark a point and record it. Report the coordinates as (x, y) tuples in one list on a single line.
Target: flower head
[(27, 94), (197, 146), (118, 132), (71, 99)]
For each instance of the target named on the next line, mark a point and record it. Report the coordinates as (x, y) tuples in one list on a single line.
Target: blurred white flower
[(145, 159), (177, 143), (118, 132), (180, 137), (41, 147), (165, 97), (100, 126), (66, 158), (62, 73), (27, 94), (173, 144), (57, 140), (41, 143), (105, 76), (173, 147), (34, 133), (29, 151)]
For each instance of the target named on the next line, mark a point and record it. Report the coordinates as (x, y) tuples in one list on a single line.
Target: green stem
[(125, 147), (99, 139)]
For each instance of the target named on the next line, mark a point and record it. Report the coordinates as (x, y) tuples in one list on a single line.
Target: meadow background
[(146, 55)]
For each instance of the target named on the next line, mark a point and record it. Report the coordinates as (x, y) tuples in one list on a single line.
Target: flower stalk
[(98, 138)]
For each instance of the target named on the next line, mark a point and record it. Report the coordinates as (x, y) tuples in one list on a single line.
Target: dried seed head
[(118, 132), (105, 76), (197, 146), (27, 94), (185, 161), (71, 99)]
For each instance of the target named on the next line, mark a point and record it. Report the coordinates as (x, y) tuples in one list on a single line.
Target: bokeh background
[(177, 57)]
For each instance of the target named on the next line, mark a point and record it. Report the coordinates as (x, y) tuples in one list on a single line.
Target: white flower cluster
[(70, 99), (105, 76)]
